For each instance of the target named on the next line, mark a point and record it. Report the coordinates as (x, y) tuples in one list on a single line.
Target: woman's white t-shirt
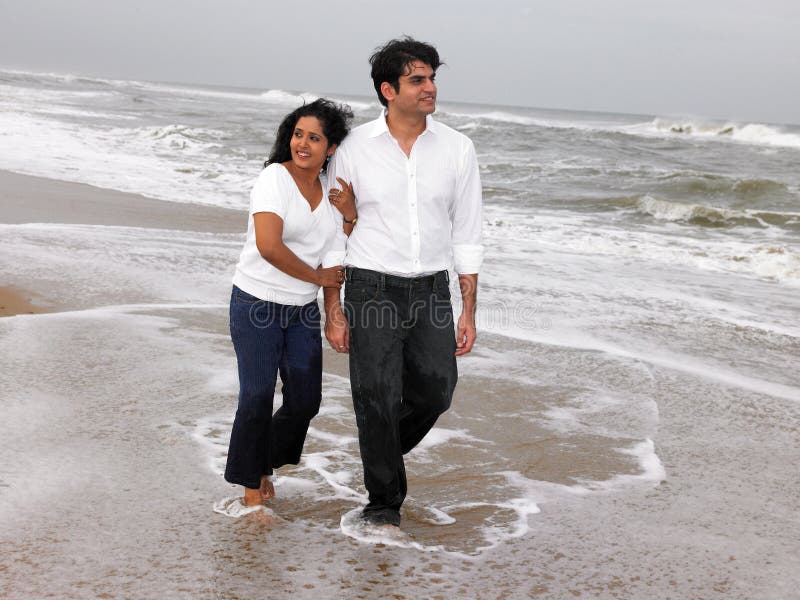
[(307, 233)]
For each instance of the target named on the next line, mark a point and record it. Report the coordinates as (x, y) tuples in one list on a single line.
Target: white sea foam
[(72, 77), (652, 470), (751, 133), (235, 507), (353, 526), (427, 514), (117, 263), (212, 433), (287, 98), (24, 98), (602, 412), (160, 162), (194, 92), (501, 116), (521, 235), (439, 435), (321, 463), (522, 507), (669, 210), (332, 438), (574, 338), (531, 493), (488, 118), (81, 114)]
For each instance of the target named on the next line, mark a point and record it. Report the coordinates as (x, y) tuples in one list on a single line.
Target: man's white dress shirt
[(417, 214)]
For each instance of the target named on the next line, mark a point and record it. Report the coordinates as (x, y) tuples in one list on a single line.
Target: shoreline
[(31, 199)]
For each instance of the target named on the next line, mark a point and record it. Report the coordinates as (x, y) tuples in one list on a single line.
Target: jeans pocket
[(361, 291)]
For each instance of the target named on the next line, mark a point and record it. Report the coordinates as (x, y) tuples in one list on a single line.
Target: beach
[(627, 426), (113, 436)]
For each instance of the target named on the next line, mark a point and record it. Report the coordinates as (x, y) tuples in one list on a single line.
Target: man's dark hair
[(391, 60), (335, 120)]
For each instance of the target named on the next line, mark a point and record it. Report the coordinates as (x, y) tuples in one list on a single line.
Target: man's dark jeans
[(268, 338), (402, 373)]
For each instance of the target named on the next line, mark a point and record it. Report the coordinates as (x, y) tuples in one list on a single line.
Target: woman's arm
[(269, 241)]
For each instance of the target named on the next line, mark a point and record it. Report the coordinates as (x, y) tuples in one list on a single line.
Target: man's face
[(417, 93)]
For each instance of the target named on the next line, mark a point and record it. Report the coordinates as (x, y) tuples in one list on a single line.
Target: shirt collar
[(379, 126)]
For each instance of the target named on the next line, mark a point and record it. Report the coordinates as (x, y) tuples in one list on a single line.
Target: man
[(418, 212)]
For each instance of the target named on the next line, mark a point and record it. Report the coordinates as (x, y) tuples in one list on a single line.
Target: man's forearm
[(469, 293)]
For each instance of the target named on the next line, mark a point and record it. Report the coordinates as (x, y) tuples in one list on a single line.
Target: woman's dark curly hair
[(335, 120)]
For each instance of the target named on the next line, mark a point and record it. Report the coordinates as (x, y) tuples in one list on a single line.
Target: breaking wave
[(713, 216), (751, 133)]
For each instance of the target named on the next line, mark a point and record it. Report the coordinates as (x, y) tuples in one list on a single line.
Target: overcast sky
[(719, 58)]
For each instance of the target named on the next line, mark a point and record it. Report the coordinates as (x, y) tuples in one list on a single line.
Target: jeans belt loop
[(348, 274), (383, 282)]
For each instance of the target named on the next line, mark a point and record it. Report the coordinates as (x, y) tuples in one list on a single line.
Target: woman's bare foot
[(267, 489), (253, 497)]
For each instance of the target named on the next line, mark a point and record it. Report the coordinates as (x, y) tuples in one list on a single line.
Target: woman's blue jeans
[(269, 338)]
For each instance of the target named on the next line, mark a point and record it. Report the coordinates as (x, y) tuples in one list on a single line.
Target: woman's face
[(308, 145)]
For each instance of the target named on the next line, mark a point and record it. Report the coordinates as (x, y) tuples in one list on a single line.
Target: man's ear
[(388, 91)]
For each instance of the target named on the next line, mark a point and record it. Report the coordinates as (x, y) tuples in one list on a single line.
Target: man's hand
[(466, 332)]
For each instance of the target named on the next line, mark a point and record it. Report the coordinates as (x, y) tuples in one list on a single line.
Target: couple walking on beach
[(406, 209)]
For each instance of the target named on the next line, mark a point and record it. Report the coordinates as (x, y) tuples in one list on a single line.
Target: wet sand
[(14, 301), (112, 433), (26, 199)]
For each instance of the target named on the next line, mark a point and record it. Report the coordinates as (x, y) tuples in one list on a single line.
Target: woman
[(274, 318)]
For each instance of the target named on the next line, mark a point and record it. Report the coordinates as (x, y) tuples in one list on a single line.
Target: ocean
[(627, 425)]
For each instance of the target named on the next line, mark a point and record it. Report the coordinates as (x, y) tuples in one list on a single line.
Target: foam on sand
[(235, 507), (352, 525), (652, 470)]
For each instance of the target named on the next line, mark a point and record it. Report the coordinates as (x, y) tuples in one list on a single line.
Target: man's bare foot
[(252, 497), (267, 489)]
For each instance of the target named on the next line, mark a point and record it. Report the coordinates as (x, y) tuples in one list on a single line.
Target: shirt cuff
[(467, 258), (333, 258)]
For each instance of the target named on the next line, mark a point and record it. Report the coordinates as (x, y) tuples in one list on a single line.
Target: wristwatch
[(353, 222)]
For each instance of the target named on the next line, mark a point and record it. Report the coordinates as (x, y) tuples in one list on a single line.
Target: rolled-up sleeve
[(335, 253), (467, 214)]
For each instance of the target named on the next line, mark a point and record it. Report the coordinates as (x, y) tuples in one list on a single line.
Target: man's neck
[(405, 129)]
